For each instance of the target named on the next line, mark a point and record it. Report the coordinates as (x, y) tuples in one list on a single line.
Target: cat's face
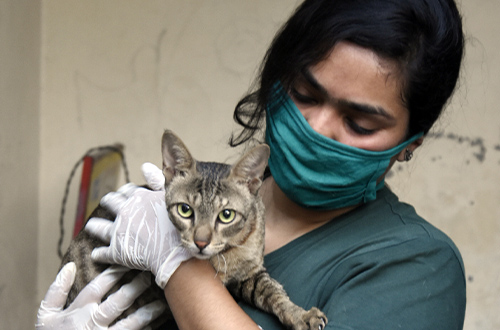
[(211, 210), (214, 206)]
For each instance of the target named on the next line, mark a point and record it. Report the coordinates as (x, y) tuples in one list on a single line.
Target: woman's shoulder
[(403, 220), (387, 222), (382, 223), (383, 250), (384, 230)]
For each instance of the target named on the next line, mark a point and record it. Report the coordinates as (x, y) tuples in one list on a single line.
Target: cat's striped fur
[(220, 217)]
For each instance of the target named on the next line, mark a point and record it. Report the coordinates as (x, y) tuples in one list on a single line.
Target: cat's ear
[(176, 157), (250, 168)]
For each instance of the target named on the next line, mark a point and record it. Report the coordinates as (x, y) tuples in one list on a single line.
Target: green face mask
[(315, 171)]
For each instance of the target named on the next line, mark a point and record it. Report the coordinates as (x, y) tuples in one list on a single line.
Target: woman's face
[(354, 97)]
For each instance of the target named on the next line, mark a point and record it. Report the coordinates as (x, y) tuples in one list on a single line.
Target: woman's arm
[(199, 300)]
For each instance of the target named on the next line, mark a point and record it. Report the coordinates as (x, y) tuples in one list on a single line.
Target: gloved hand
[(154, 176), (87, 312), (142, 236)]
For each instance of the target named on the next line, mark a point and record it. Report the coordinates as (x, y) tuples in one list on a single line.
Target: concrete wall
[(122, 71), (19, 160)]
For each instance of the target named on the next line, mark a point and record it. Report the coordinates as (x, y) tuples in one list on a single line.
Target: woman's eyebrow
[(366, 109), (311, 80), (359, 107)]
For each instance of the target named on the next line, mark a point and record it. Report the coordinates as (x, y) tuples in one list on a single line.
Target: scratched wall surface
[(115, 71)]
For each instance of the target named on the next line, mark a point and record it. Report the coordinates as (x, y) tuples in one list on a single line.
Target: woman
[(347, 88)]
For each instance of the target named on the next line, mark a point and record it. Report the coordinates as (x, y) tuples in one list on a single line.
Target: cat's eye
[(226, 216), (184, 210)]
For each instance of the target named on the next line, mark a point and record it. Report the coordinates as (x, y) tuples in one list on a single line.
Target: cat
[(220, 217)]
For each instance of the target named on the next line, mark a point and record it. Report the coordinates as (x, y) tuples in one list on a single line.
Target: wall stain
[(477, 144)]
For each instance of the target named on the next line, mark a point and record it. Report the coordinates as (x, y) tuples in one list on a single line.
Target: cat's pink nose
[(201, 244)]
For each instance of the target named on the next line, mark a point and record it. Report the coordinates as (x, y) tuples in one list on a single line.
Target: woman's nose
[(323, 120)]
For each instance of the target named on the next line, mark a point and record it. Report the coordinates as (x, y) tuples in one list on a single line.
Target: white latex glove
[(142, 236), (154, 176), (87, 312)]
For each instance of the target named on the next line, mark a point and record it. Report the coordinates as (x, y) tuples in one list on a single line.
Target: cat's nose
[(201, 244)]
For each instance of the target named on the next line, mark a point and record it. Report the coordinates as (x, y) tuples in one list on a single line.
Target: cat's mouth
[(201, 255), (198, 253), (204, 253)]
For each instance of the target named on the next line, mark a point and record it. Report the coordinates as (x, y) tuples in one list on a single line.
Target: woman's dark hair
[(423, 36)]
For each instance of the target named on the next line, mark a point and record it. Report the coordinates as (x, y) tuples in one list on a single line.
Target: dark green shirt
[(381, 266)]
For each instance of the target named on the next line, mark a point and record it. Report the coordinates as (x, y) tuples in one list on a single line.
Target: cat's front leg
[(265, 293)]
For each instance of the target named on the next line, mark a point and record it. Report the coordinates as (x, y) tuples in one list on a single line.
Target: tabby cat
[(220, 217)]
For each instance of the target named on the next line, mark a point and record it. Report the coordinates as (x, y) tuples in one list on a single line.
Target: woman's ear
[(406, 154)]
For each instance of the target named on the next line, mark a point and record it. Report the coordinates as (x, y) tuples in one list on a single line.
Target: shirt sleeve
[(418, 284)]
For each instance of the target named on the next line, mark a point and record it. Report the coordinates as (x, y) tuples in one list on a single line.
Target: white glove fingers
[(153, 176), (100, 228), (114, 201), (142, 236), (177, 255), (56, 296), (102, 255), (99, 286), (122, 299), (129, 189), (142, 317)]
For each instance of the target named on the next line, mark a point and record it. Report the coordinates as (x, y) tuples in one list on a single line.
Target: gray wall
[(19, 160)]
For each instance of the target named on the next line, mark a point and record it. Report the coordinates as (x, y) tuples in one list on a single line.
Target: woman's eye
[(359, 129), (226, 216), (301, 97), (184, 210)]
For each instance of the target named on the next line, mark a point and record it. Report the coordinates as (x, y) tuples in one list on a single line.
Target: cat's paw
[(313, 319)]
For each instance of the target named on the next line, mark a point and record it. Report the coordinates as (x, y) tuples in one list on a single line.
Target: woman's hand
[(142, 236), (87, 311)]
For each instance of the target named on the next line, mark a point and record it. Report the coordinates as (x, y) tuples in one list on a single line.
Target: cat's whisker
[(225, 263), (218, 266)]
